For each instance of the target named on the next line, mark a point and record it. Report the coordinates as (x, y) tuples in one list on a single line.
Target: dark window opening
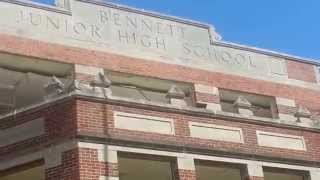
[(24, 80), (145, 167), (33, 171), (145, 88), (283, 174), (261, 105), (207, 170)]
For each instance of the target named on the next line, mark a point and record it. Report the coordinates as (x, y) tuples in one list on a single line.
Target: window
[(32, 171), (206, 170), (145, 88), (23, 80), (144, 167), (283, 174), (262, 106)]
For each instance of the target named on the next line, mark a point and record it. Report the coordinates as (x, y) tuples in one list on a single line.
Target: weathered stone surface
[(54, 87), (215, 132), (138, 122), (242, 102), (175, 92), (109, 28), (303, 112), (283, 141)]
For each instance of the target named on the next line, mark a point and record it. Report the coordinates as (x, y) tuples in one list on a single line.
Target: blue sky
[(289, 26)]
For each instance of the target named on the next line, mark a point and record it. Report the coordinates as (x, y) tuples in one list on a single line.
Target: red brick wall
[(254, 178), (91, 168), (68, 170), (182, 138), (186, 174), (301, 71), (92, 117)]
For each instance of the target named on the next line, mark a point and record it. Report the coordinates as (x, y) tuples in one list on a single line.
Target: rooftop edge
[(211, 29)]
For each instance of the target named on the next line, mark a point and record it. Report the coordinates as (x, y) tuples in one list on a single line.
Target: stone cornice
[(191, 111)]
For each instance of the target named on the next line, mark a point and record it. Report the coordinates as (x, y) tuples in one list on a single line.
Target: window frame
[(144, 89), (240, 167), (305, 175), (22, 168), (150, 157), (272, 106)]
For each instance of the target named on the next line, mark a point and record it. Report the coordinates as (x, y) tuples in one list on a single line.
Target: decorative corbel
[(302, 114), (101, 85), (176, 96), (101, 81), (243, 106), (54, 86)]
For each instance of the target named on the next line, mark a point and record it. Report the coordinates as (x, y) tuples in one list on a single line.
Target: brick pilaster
[(254, 172), (186, 168), (67, 170), (98, 164), (254, 178)]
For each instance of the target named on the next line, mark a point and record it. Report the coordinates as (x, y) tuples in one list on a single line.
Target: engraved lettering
[(132, 22), (182, 31), (226, 57), (199, 51), (186, 48), (252, 64), (147, 25), (104, 17), (79, 28), (35, 19), (111, 25), (170, 26), (128, 38), (66, 24), (212, 53), (22, 17), (53, 23), (95, 31), (116, 19), (145, 41), (240, 59), (160, 43), (159, 28)]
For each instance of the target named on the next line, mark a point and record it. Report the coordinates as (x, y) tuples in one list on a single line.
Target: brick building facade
[(97, 91)]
